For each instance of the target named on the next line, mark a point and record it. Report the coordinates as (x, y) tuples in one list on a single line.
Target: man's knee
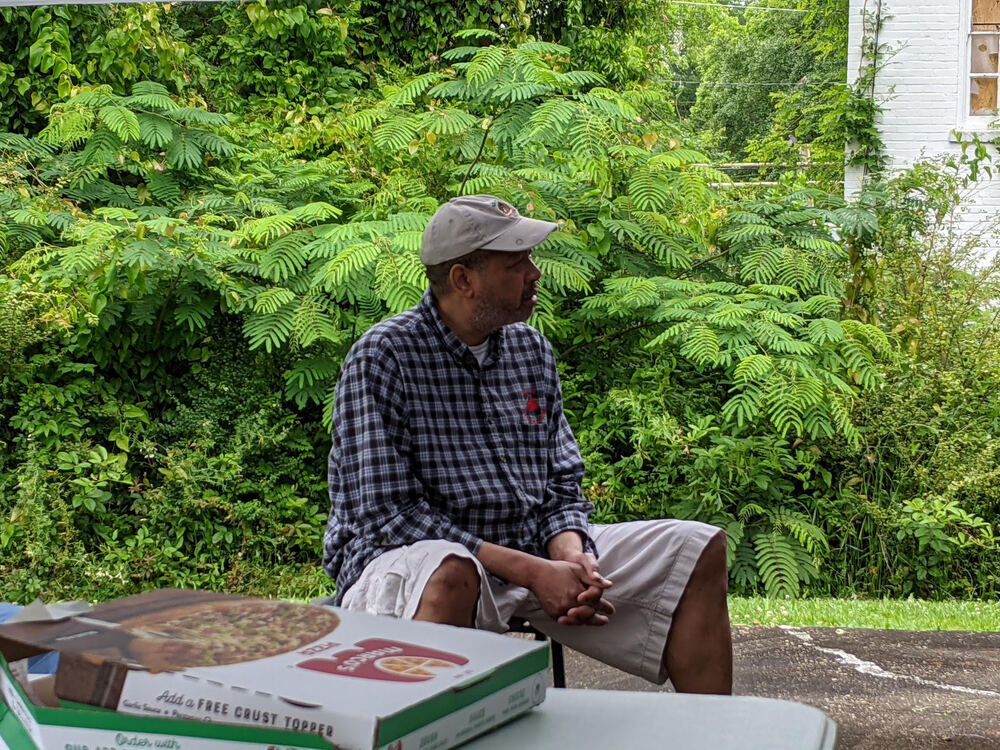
[(711, 572), (452, 592), (456, 575)]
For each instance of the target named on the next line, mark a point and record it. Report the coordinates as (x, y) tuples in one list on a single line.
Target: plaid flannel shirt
[(428, 444)]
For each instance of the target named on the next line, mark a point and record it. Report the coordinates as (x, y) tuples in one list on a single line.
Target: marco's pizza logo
[(381, 659), (534, 413)]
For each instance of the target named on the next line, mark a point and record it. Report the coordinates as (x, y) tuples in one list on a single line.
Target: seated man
[(455, 480)]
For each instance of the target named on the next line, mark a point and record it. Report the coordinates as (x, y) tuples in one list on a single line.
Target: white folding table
[(613, 719)]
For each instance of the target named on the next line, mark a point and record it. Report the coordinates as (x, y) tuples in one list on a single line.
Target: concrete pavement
[(886, 689)]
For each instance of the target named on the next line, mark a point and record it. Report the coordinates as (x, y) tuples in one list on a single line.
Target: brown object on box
[(162, 631)]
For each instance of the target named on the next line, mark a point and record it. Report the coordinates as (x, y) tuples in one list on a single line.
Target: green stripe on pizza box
[(414, 717), (13, 735), (84, 706), (91, 717), (180, 727)]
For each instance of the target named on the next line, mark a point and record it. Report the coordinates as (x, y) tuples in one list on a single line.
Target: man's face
[(506, 290)]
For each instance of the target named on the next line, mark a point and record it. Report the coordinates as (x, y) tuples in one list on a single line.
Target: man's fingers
[(597, 620), (594, 572), (597, 613), (581, 614), (590, 595), (594, 619), (577, 615), (593, 597), (599, 606), (604, 607)]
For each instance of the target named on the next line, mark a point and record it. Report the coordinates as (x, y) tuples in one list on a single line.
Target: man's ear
[(461, 280)]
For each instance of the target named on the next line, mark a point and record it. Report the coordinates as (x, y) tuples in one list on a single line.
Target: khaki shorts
[(649, 562)]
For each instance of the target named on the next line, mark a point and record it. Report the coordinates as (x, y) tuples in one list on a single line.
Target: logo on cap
[(505, 208)]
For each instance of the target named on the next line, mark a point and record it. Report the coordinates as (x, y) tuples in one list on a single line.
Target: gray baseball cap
[(479, 222)]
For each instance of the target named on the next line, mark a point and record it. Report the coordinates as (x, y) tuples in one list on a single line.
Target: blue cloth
[(8, 610), (42, 664), (428, 444)]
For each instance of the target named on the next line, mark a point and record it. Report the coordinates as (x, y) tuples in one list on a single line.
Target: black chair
[(520, 625)]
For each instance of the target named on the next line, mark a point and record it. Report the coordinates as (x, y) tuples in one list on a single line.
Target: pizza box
[(357, 681), (27, 726)]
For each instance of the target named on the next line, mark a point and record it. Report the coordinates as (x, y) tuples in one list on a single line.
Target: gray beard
[(488, 318)]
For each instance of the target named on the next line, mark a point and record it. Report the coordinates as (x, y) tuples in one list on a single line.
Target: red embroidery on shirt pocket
[(534, 413)]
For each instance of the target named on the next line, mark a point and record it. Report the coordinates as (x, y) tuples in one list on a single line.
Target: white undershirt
[(480, 350)]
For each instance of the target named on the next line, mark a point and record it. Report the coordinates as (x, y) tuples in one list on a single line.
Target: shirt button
[(503, 458)]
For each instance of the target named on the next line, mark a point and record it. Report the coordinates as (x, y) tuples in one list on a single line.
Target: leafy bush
[(925, 520), (51, 49), (180, 287), (130, 464), (284, 56)]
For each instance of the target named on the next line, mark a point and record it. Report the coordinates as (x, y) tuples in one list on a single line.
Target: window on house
[(984, 47)]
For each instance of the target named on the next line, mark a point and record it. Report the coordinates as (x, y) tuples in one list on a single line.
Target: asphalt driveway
[(884, 688)]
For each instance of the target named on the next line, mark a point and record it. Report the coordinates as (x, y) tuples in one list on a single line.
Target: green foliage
[(830, 117), (927, 486), (658, 448), (174, 228), (130, 226), (748, 60), (892, 614), (180, 287), (620, 39), (263, 56), (417, 31), (767, 317), (49, 50), (925, 476)]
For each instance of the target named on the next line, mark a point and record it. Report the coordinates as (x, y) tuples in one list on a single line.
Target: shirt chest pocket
[(523, 415)]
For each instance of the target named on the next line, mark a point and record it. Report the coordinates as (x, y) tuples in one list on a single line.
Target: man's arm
[(558, 584), (564, 526), (376, 490), (563, 506)]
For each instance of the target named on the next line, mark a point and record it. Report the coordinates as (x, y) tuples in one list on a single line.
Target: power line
[(767, 83), (732, 5)]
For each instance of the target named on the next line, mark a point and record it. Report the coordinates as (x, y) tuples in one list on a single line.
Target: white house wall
[(919, 88)]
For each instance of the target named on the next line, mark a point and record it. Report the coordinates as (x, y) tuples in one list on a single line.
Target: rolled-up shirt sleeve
[(374, 489)]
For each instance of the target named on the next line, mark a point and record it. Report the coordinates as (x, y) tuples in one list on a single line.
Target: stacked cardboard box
[(188, 670)]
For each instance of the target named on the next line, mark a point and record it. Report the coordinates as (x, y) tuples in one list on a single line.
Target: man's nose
[(534, 273)]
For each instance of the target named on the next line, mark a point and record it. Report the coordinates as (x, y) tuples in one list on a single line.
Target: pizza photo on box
[(215, 633), (167, 630), (413, 667)]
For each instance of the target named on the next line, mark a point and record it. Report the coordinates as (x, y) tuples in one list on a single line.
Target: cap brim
[(524, 234)]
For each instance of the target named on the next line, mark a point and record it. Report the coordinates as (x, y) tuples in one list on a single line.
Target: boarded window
[(984, 46)]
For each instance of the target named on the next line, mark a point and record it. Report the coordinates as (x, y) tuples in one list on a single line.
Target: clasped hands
[(571, 590)]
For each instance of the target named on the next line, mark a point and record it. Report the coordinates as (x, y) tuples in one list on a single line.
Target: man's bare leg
[(451, 594), (699, 652)]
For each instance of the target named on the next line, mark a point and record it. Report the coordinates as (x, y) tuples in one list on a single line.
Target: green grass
[(908, 614)]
